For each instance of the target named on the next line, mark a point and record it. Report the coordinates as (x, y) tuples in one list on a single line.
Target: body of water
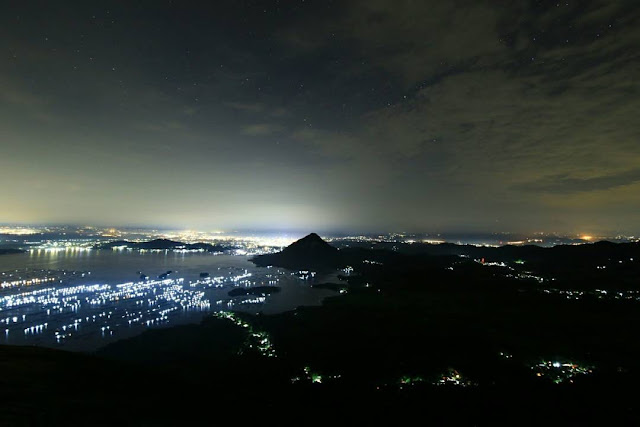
[(84, 299)]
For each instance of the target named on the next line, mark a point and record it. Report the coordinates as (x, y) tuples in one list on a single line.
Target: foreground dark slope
[(179, 376), (49, 387), (368, 339)]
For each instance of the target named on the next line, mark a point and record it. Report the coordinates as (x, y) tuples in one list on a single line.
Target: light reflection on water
[(86, 312)]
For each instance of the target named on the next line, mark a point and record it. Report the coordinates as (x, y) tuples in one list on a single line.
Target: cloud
[(15, 98), (413, 41), (513, 115), (254, 107), (261, 129), (419, 40), (11, 93), (562, 184)]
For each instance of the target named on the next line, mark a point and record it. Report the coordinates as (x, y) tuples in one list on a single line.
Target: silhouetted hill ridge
[(162, 244), (601, 249), (310, 252)]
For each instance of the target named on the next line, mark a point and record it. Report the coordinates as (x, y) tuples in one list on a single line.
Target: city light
[(560, 371)]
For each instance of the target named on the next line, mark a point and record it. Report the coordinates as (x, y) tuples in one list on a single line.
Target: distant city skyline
[(577, 233), (356, 115), (289, 235)]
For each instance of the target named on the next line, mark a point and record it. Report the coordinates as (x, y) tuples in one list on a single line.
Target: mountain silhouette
[(162, 244), (308, 253)]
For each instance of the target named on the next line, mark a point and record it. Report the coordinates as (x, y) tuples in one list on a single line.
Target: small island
[(162, 244), (261, 291), (9, 251), (336, 287)]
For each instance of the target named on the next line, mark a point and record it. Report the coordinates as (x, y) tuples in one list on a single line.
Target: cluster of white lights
[(572, 294), (453, 378), (559, 372), (58, 313)]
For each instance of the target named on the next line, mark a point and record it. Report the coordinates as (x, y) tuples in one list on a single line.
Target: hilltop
[(309, 253)]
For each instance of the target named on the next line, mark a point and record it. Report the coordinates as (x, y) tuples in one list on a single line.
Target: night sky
[(322, 115)]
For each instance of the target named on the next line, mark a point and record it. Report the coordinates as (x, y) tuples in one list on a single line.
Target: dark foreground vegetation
[(449, 339)]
